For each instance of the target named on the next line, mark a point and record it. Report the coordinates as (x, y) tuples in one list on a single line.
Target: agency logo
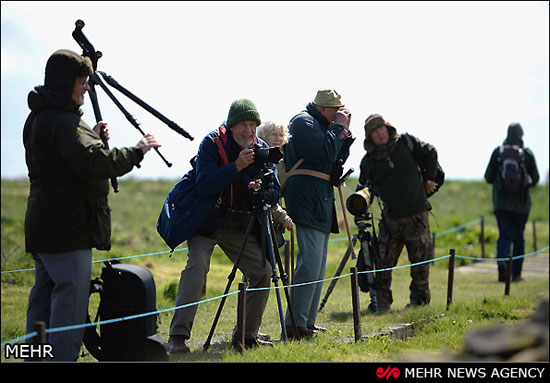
[(387, 373)]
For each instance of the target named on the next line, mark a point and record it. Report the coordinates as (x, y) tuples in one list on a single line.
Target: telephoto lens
[(358, 203)]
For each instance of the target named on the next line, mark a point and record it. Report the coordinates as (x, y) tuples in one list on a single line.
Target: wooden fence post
[(450, 278), (508, 275), (534, 236), (40, 338), (241, 317), (482, 221), (355, 304)]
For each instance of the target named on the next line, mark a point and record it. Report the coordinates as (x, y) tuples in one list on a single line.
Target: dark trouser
[(413, 232), (192, 284), (510, 226), (59, 297)]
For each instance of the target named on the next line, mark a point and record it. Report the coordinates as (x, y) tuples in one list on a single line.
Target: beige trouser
[(192, 285)]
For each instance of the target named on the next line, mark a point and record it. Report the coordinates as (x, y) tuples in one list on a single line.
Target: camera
[(263, 155)]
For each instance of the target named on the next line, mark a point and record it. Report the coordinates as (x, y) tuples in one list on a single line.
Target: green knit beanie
[(242, 110)]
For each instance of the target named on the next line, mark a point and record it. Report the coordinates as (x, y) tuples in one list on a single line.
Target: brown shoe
[(176, 345), (303, 332)]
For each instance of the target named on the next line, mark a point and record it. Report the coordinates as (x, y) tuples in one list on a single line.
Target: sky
[(454, 74)]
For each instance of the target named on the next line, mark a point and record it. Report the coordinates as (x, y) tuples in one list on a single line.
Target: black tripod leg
[(336, 275), (127, 114), (231, 277), (285, 279), (268, 238), (97, 113), (371, 278)]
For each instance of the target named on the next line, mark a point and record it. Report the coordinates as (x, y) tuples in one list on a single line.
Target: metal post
[(450, 279), (482, 237), (355, 304), (241, 317)]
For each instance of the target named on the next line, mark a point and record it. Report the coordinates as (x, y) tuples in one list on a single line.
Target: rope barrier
[(74, 327), (440, 234)]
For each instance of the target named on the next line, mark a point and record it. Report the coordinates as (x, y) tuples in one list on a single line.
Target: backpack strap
[(221, 140), (92, 339), (307, 172), (222, 136)]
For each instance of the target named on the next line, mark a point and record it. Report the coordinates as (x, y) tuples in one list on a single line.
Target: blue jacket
[(310, 200), (189, 202)]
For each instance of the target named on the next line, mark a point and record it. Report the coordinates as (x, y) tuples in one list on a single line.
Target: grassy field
[(478, 299)]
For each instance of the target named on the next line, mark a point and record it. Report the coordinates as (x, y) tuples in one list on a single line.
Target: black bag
[(125, 290), (512, 176)]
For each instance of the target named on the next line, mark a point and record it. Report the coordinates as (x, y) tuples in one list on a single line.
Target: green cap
[(329, 98), (242, 110)]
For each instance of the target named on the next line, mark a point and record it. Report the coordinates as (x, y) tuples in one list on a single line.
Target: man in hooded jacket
[(512, 209), (67, 211), (390, 169)]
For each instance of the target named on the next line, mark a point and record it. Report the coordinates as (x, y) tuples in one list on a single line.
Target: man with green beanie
[(212, 205), (513, 172), (67, 211), (392, 171)]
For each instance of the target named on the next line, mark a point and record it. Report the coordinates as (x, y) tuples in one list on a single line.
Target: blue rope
[(75, 327)]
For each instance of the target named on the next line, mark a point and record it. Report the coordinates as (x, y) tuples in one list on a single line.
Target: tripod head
[(266, 178), (87, 47)]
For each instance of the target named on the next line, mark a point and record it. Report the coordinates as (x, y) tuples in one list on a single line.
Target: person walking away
[(512, 170)]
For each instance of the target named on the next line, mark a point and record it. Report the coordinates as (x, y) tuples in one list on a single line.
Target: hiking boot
[(303, 332), (377, 308), (415, 304), (176, 345), (316, 328)]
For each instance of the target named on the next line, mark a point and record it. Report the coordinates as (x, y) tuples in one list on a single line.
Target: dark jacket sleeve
[(316, 145), (531, 165), (491, 171), (211, 178), (86, 156), (427, 156)]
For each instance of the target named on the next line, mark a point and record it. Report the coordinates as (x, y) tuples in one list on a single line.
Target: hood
[(62, 68), (40, 98), (515, 135)]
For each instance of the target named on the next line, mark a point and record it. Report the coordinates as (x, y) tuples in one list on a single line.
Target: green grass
[(478, 300)]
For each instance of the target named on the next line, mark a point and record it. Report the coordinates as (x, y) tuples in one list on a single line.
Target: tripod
[(261, 212), (368, 255), (89, 51)]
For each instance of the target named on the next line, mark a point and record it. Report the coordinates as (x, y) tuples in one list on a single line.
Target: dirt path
[(533, 265)]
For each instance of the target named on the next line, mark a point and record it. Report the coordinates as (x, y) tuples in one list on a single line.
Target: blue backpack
[(184, 210)]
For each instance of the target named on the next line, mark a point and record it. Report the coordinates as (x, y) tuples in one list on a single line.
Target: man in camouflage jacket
[(391, 171)]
